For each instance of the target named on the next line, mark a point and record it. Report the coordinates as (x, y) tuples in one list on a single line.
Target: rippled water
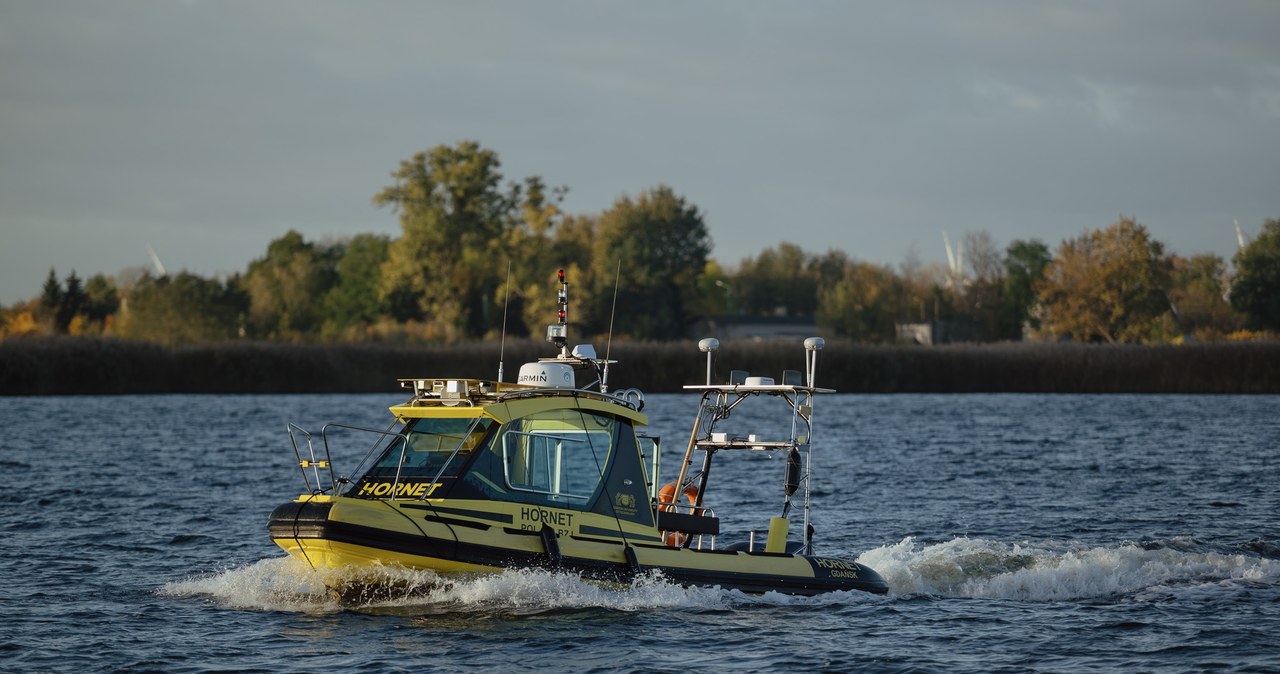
[(1017, 532)]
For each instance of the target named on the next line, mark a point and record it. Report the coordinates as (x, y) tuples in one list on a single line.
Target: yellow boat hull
[(452, 538)]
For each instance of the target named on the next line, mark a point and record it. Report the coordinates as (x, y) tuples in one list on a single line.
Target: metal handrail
[(702, 511), (622, 400), (404, 445), (312, 463)]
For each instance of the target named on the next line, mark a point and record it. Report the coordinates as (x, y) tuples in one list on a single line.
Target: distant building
[(928, 333)]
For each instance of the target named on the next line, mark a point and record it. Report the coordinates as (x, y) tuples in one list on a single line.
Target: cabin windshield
[(431, 443), (424, 449)]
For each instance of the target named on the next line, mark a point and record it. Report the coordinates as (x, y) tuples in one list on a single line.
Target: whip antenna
[(608, 346), (506, 302), (612, 310)]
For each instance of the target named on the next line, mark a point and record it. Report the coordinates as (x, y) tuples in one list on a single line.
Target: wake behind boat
[(480, 476)]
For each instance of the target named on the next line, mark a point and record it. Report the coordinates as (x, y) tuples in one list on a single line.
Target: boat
[(556, 472)]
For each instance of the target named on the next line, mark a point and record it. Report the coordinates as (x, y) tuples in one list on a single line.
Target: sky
[(206, 129)]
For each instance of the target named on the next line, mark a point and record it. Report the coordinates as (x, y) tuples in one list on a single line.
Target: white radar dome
[(546, 375)]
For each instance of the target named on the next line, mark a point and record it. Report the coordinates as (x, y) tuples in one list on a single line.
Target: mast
[(558, 334)]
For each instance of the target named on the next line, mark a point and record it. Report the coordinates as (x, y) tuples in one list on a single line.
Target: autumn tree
[(570, 248), (1255, 291), (1197, 295), (456, 220), (51, 296), (979, 300), (714, 296), (102, 301), (539, 209), (864, 305), (827, 269), (926, 295), (19, 320), (537, 244), (70, 305), (46, 310), (1107, 285), (181, 309), (1024, 265), (983, 257), (661, 244), (354, 299), (779, 281), (286, 288)]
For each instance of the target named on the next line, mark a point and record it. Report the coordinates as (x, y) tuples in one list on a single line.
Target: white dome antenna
[(709, 346), (811, 348)]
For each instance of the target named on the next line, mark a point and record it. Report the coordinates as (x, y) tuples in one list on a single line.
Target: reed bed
[(81, 365)]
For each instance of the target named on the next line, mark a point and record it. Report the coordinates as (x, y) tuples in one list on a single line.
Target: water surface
[(1017, 532)]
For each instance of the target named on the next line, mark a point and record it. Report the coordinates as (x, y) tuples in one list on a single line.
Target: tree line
[(476, 257)]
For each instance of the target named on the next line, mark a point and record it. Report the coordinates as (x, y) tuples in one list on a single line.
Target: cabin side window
[(559, 455)]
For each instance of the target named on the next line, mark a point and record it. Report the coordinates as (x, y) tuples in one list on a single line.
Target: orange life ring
[(666, 495), (667, 502)]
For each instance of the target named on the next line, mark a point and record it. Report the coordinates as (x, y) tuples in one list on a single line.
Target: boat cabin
[(558, 448)]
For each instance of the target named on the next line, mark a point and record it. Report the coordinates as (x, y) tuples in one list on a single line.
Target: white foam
[(1046, 571), (276, 584), (287, 584), (529, 589), (961, 567)]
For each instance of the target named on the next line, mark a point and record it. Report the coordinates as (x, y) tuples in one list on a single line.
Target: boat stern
[(844, 574)]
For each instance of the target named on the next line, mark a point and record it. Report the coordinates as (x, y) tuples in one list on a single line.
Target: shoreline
[(104, 366)]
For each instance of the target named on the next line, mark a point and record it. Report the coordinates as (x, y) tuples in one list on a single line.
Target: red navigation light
[(561, 275)]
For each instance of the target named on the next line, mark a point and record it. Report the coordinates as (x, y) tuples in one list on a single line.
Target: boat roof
[(470, 398)]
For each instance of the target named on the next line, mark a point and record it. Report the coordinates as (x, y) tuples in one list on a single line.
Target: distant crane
[(1243, 242), (155, 262), (955, 263)]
